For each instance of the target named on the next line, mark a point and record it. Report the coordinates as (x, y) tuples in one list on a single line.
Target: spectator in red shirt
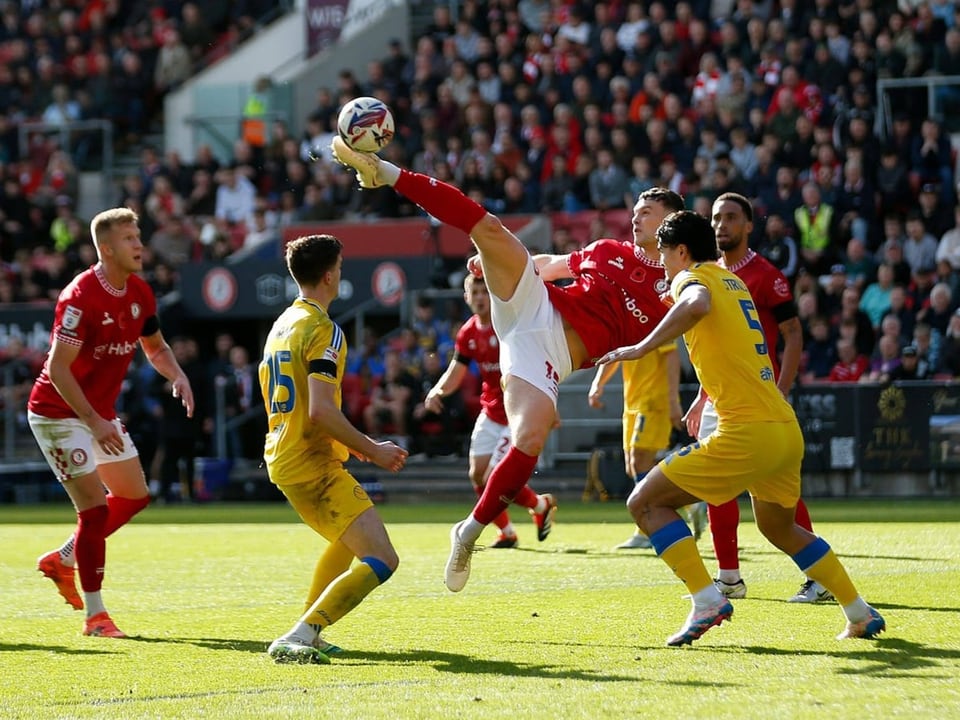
[(851, 365)]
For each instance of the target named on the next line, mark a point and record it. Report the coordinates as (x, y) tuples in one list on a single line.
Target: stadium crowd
[(533, 106)]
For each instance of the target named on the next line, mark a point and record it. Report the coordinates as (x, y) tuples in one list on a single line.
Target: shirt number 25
[(279, 380)]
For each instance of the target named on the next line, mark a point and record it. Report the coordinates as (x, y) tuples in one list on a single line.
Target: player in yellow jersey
[(308, 441), (757, 445)]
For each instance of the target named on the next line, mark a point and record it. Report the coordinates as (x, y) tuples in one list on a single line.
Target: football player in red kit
[(546, 331), (101, 318), (476, 342)]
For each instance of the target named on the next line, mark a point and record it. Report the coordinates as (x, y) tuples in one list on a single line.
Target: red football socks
[(91, 547), (445, 202), (802, 516), (121, 510), (724, 520), (508, 477)]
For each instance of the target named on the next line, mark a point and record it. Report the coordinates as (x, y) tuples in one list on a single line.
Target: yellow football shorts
[(646, 429), (330, 502), (763, 458)]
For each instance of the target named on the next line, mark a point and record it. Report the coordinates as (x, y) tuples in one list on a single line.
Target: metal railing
[(89, 143), (884, 119)]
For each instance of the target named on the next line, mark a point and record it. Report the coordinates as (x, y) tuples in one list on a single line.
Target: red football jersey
[(771, 294), (106, 324), (615, 297), (479, 343)]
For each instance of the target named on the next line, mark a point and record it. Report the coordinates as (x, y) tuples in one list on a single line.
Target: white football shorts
[(533, 346), (489, 438), (69, 447)]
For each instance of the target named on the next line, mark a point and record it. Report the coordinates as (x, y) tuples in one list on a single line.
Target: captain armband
[(327, 368)]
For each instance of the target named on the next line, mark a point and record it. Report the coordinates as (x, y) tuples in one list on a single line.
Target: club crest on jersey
[(781, 288), (71, 317), (661, 286), (135, 310), (78, 457)]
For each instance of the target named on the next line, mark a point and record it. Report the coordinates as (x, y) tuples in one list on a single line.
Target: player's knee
[(489, 229), (636, 505), (384, 567), (530, 441)]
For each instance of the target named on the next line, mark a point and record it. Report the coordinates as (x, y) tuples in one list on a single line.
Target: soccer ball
[(365, 124)]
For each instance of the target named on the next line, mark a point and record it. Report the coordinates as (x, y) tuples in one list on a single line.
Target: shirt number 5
[(753, 322)]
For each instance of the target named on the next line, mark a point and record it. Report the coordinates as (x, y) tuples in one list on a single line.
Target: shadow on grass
[(469, 665), (440, 661), (250, 646), (889, 656), (59, 649), (877, 605), (769, 550)]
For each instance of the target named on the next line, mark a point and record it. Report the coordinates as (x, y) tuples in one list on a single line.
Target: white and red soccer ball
[(366, 124)]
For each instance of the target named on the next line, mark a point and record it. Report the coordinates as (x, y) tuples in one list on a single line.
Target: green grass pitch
[(567, 628)]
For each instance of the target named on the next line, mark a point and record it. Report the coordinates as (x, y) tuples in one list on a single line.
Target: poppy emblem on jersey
[(135, 310), (71, 317), (78, 457), (638, 275), (781, 288)]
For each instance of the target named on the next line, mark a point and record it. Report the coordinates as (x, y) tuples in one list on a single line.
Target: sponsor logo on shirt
[(71, 317), (630, 303), (124, 348), (107, 320), (617, 262)]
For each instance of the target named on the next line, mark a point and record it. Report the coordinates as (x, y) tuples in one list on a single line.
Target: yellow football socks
[(334, 562)]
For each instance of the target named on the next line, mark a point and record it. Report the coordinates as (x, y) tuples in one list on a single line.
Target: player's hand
[(627, 352), (434, 402), (593, 397), (692, 418), (389, 456), (180, 388), (474, 266), (107, 436)]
